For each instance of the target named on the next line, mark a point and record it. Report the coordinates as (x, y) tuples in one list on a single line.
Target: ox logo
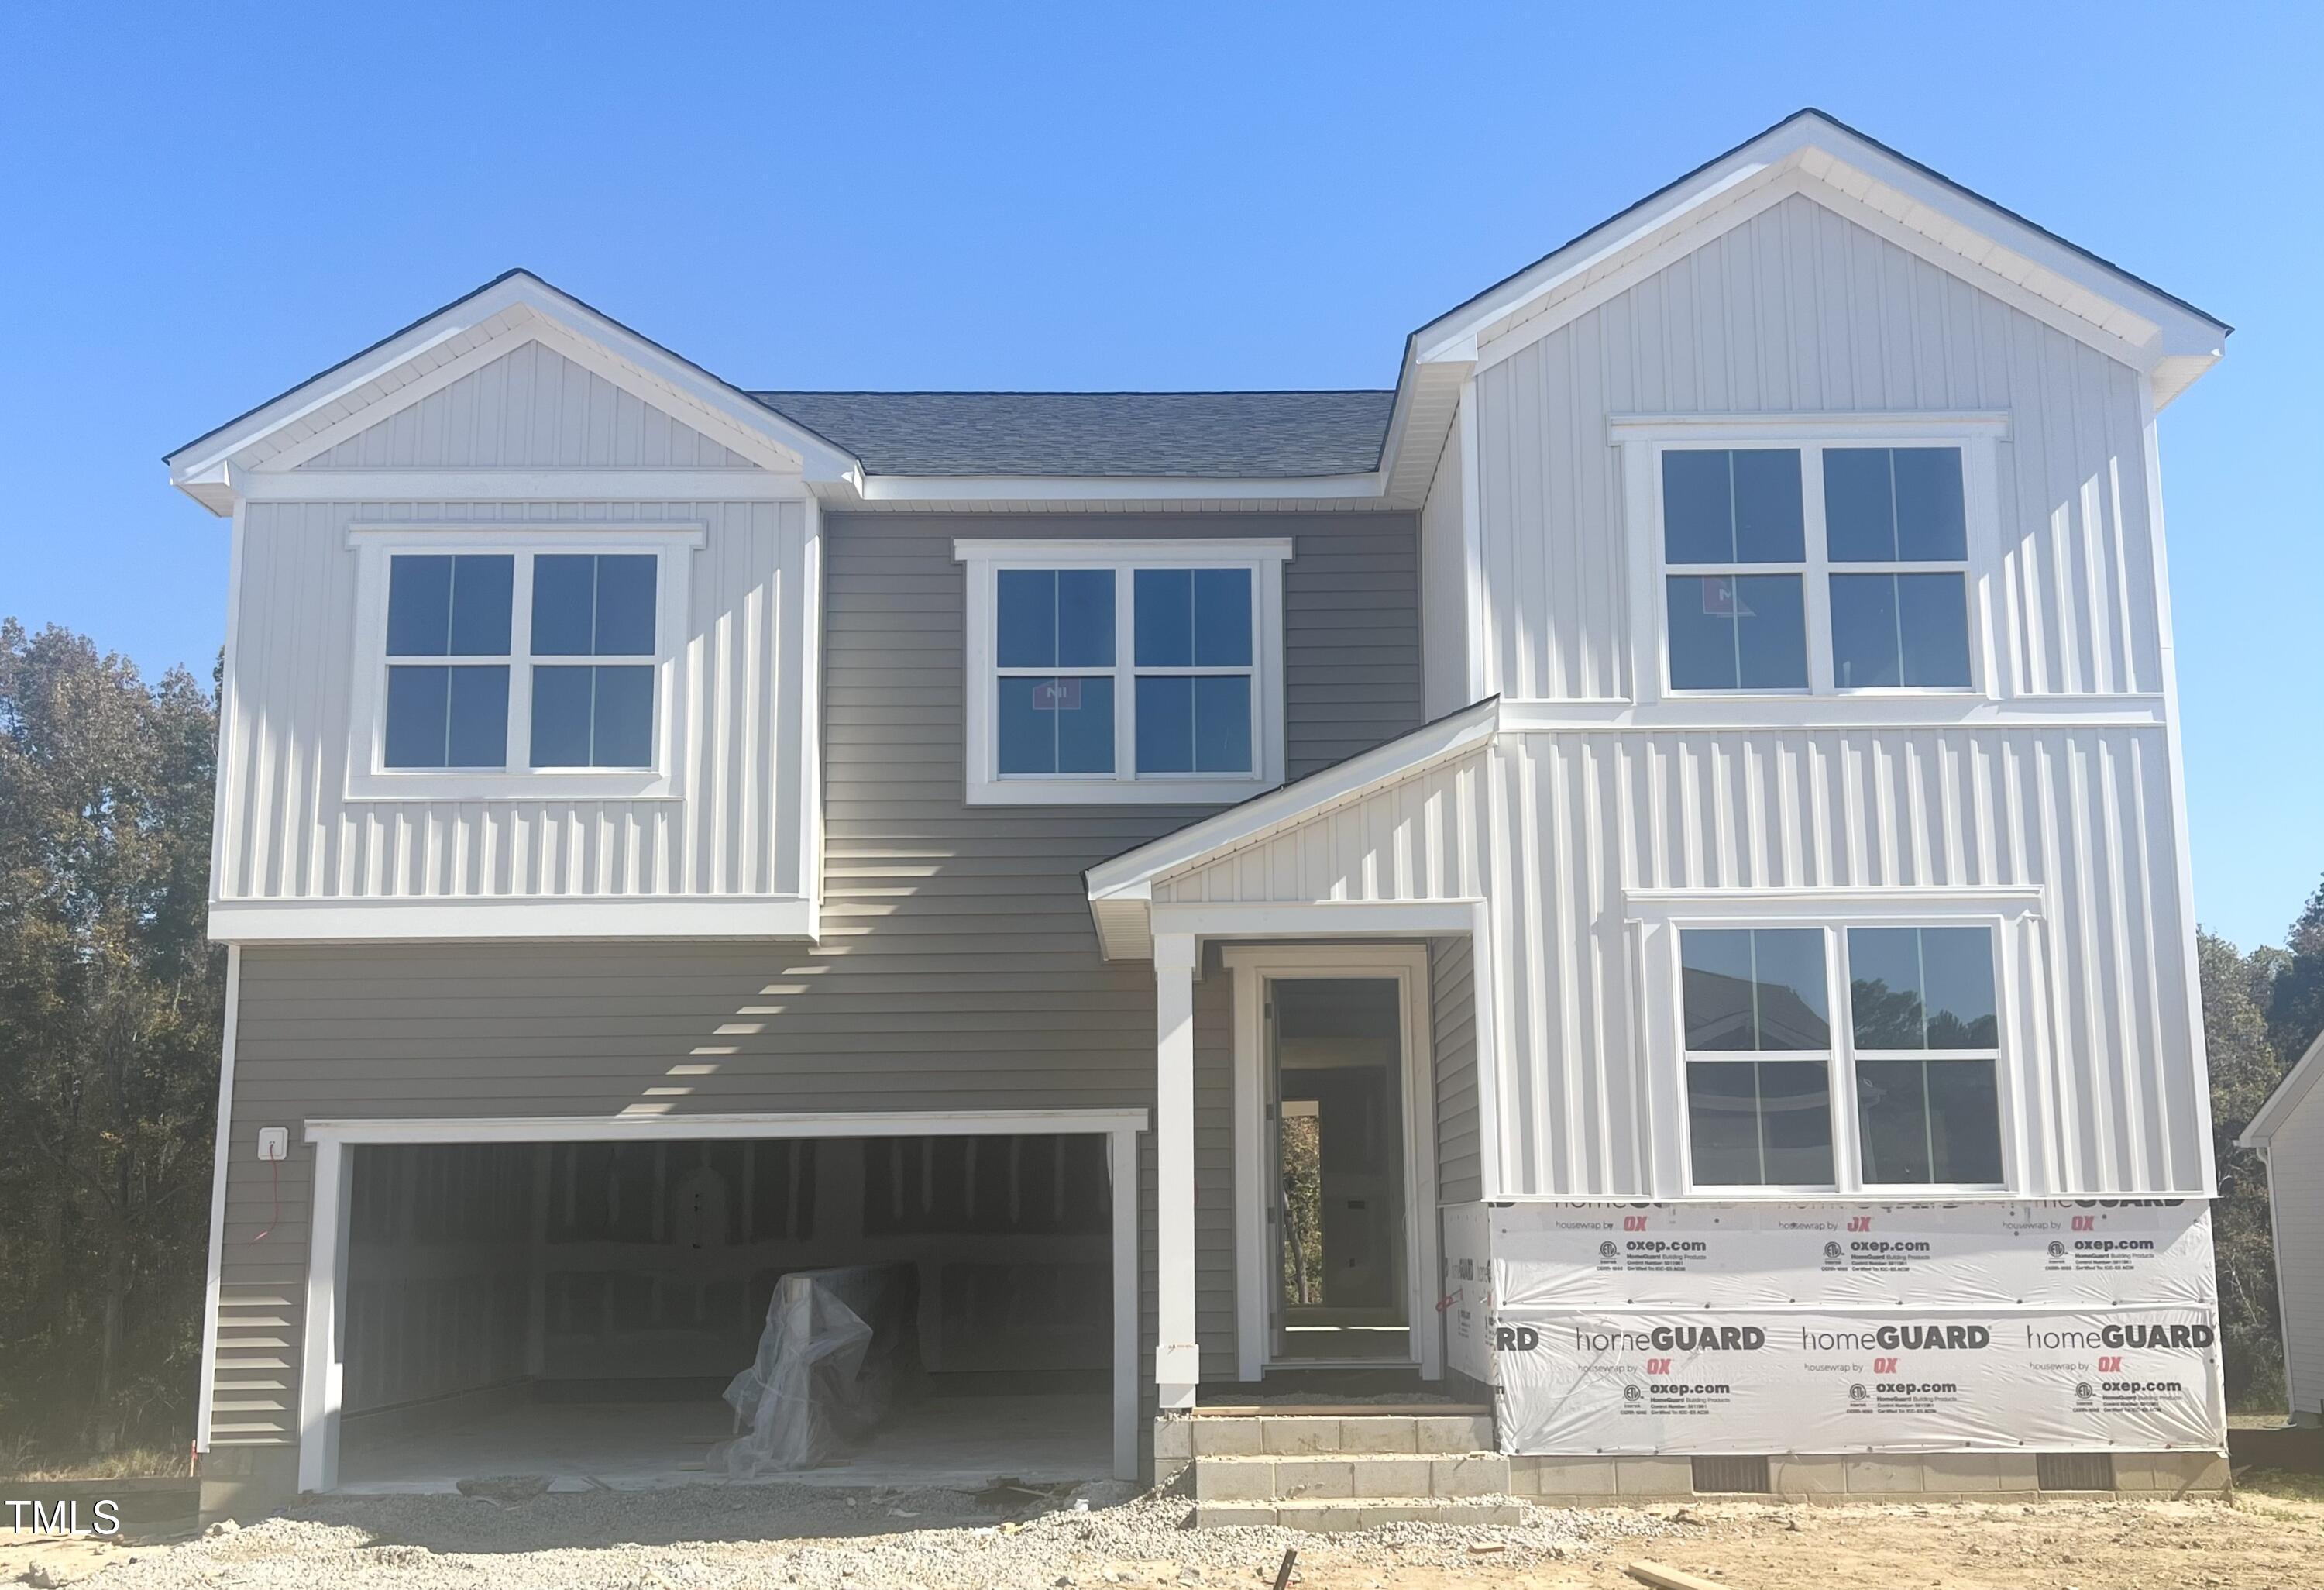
[(1634, 1222), (1658, 1366), (2086, 1222), (2110, 1366), (1859, 1222), (1884, 1367)]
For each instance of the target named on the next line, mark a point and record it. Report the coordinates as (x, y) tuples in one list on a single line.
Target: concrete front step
[(1324, 1517), (1350, 1477)]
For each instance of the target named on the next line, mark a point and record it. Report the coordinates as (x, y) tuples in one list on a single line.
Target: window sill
[(633, 784), (1115, 792)]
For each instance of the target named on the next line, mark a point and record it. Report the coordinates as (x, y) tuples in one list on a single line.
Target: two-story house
[(1631, 888)]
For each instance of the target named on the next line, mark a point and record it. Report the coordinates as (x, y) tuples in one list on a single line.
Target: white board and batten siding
[(2057, 782), (738, 824)]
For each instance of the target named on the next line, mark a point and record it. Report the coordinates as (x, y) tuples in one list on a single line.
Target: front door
[(1335, 1126)]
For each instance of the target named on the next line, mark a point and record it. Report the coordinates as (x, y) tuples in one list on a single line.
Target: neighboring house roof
[(2295, 1086), (1153, 435)]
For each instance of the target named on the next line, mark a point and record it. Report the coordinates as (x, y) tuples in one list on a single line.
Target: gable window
[(1812, 565), (1915, 1060), (516, 669), (1123, 670)]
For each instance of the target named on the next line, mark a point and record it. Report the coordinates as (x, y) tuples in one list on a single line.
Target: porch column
[(1176, 1358)]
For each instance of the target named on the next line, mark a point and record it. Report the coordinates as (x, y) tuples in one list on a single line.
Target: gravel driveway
[(706, 1537)]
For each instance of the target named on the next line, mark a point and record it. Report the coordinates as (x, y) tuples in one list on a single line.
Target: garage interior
[(576, 1311)]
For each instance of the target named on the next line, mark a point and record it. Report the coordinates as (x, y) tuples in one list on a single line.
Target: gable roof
[(1156, 435), (516, 304), (2296, 1085), (1946, 221), (1357, 446), (1121, 888)]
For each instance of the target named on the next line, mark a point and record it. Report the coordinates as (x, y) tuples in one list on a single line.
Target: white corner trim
[(1253, 966), (341, 919), (221, 1156)]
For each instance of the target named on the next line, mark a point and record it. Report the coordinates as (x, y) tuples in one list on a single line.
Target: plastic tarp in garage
[(838, 1348)]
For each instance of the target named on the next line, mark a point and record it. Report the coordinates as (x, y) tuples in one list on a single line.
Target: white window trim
[(1644, 438), (369, 778), (1659, 916), (1263, 556)]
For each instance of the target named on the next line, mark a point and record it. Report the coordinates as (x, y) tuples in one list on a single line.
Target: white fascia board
[(594, 916), (196, 463), (1824, 151), (1132, 874), (917, 489), (2296, 1085), (501, 486)]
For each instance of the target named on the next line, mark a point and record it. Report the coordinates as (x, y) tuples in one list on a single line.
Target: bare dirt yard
[(706, 1538)]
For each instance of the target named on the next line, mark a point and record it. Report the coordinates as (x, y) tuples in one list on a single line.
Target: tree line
[(111, 1006)]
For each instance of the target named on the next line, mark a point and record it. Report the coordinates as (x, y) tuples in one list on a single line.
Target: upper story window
[(526, 669), (1123, 670), (1768, 1071), (1782, 562)]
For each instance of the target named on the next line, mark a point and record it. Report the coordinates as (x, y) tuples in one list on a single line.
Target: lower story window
[(1769, 1075)]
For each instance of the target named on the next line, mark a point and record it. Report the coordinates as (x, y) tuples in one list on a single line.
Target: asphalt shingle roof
[(1195, 435)]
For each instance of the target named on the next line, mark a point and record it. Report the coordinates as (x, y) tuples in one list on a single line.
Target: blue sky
[(207, 204)]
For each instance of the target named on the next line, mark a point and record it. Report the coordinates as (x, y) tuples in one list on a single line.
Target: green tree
[(2244, 1069), (2295, 1007), (110, 1004)]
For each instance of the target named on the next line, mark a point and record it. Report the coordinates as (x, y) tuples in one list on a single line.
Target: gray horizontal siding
[(958, 967), (1453, 1007)]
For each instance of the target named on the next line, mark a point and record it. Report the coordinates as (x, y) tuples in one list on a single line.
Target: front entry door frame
[(1253, 966)]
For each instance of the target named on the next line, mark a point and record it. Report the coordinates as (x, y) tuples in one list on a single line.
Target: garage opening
[(577, 1310)]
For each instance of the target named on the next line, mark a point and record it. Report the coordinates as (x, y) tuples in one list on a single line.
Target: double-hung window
[(1123, 671), (1906, 1082), (527, 667), (1813, 566)]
